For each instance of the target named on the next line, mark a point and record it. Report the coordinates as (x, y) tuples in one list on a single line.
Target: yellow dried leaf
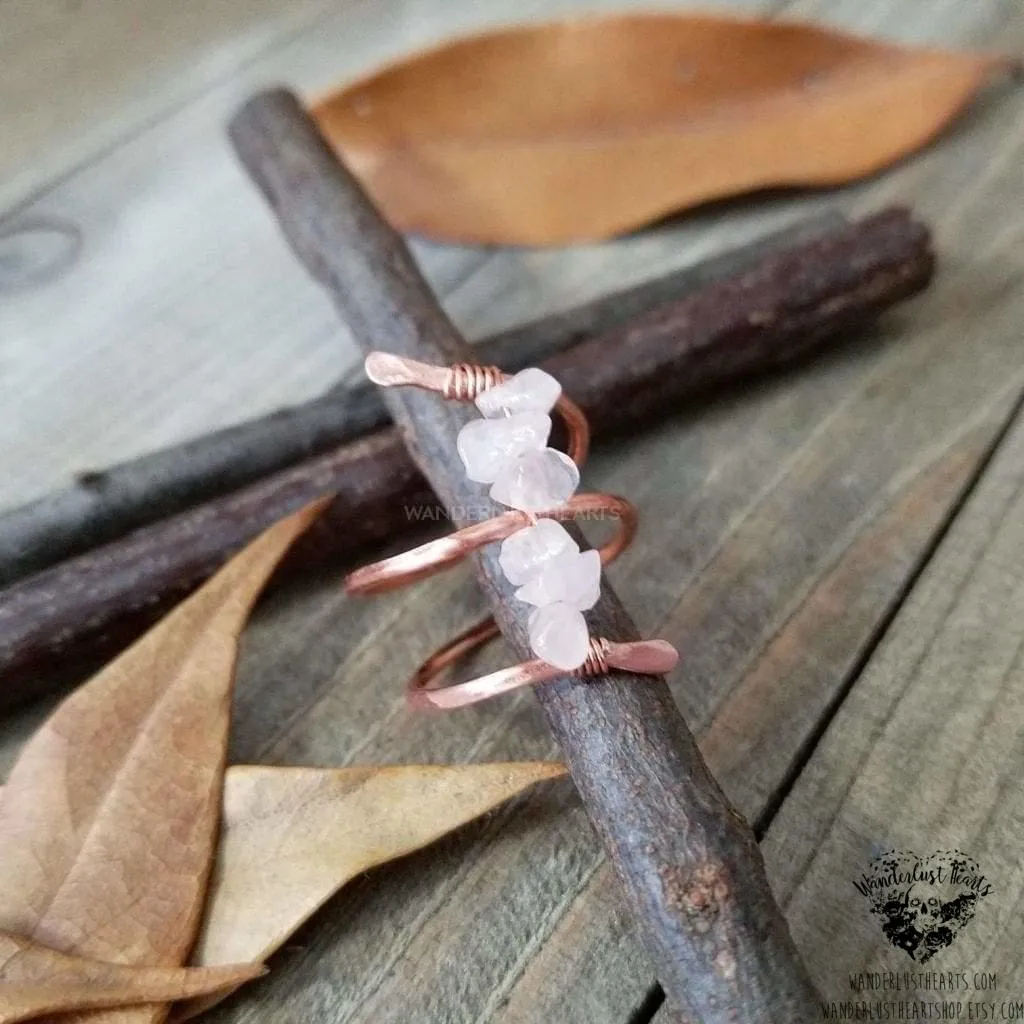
[(109, 817), (36, 980), (293, 836), (548, 134)]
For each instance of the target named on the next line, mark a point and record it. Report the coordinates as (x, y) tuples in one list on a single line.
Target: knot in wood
[(700, 894)]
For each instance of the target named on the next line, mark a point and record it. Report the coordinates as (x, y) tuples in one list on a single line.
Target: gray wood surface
[(781, 528), (138, 273), (925, 755)]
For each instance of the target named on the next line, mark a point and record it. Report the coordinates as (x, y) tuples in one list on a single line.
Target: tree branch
[(102, 505), (689, 863), (787, 305)]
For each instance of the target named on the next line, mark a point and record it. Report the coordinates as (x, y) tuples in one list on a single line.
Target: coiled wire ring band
[(464, 382)]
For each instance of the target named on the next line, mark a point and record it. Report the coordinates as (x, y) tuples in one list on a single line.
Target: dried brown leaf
[(293, 836), (548, 134), (36, 980), (109, 817)]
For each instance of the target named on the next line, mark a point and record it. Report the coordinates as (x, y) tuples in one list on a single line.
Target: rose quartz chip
[(527, 551), (530, 390), (486, 445), (536, 480), (572, 578), (558, 635)]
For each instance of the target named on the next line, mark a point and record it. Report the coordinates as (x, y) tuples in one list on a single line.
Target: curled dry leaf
[(293, 836), (549, 134), (35, 980), (109, 818)]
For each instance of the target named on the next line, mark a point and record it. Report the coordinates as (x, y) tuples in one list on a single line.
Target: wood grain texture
[(112, 70), (688, 864), (925, 755), (816, 495), (101, 506), (780, 311), (144, 299), (760, 729), (865, 522)]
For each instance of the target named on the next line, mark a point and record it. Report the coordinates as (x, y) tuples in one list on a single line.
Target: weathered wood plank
[(79, 78), (924, 755), (867, 452), (759, 730), (144, 295)]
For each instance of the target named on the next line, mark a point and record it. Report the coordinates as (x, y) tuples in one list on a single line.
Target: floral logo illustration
[(923, 902)]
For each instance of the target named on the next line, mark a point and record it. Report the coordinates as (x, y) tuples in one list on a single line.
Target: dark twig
[(785, 306), (104, 505), (689, 864)]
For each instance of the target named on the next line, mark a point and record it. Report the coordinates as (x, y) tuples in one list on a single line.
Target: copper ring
[(464, 382)]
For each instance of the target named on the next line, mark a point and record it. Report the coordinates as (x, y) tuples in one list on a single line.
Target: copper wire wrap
[(597, 660), (467, 380), (464, 382)]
